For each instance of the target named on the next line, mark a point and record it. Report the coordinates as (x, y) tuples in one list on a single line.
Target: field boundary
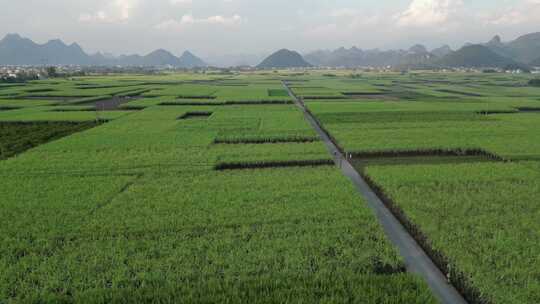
[(457, 277), (272, 164), (427, 152), (195, 114), (515, 110), (468, 94), (262, 141), (96, 121), (9, 108), (228, 103)]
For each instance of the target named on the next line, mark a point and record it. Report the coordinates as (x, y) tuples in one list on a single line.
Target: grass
[(477, 220), (199, 220), (18, 137), (394, 126), (473, 214), (139, 209), (136, 189)]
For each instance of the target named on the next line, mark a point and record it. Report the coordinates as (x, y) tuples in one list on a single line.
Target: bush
[(534, 82)]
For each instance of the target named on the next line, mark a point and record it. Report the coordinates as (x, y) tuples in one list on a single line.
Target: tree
[(51, 71), (514, 67), (534, 82)]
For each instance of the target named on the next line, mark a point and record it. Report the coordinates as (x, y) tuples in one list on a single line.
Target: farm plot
[(270, 155), (179, 240), (48, 114), (437, 165), (479, 221), (423, 126), (261, 124), (144, 141), (18, 137), (135, 210)]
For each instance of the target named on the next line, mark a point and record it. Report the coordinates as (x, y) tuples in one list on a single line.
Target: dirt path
[(416, 259)]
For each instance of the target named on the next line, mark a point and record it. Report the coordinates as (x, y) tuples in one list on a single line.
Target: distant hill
[(416, 55), (497, 46), (418, 49), (337, 58), (188, 60), (284, 59), (442, 51), (20, 51), (16, 50), (156, 58), (524, 49), (161, 58), (355, 57), (475, 56)]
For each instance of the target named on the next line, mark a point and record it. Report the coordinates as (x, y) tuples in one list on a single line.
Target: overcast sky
[(210, 27)]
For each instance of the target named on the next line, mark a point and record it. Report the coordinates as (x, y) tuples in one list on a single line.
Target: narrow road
[(416, 260)]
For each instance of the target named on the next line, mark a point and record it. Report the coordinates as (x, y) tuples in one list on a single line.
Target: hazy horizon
[(214, 28)]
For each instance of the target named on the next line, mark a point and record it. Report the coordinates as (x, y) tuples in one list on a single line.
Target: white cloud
[(189, 20), (429, 12), (525, 12), (98, 17), (148, 24), (117, 11)]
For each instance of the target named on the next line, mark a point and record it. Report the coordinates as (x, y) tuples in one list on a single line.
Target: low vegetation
[(17, 137), (140, 208), (214, 187), (457, 163), (478, 221), (534, 82)]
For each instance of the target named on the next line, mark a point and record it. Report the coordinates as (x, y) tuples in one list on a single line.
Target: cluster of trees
[(24, 76), (514, 67), (19, 78), (534, 82), (52, 72)]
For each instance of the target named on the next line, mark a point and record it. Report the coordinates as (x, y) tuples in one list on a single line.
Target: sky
[(218, 27)]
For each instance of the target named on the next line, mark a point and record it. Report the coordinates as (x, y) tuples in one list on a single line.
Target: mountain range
[(16, 50), (476, 55), (355, 57), (524, 51)]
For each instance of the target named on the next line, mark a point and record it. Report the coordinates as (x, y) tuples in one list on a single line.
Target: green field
[(456, 158), (213, 188)]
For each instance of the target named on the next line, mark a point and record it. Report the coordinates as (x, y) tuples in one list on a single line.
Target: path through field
[(416, 259)]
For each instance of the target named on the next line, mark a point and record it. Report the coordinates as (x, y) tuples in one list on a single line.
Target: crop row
[(478, 222), (249, 233), (134, 210), (429, 154), (18, 137)]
